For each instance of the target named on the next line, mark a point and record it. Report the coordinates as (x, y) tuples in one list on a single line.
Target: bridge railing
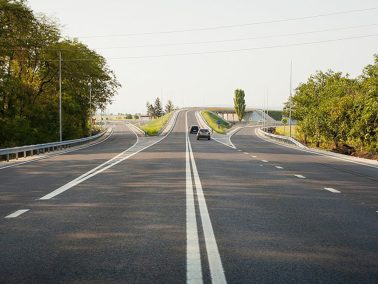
[(8, 153)]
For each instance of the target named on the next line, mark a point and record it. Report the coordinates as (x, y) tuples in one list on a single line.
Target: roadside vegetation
[(154, 126), (156, 110), (212, 120), (239, 103), (338, 112), (285, 130), (29, 79)]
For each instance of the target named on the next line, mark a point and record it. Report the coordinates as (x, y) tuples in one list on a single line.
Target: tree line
[(156, 110), (30, 47), (332, 108)]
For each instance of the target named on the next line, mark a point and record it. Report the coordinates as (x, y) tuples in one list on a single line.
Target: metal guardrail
[(9, 153), (285, 139)]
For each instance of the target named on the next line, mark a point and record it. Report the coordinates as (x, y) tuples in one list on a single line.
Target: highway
[(172, 209)]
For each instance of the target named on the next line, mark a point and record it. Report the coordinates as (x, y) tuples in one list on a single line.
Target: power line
[(238, 39), (210, 41), (237, 25), (244, 49), (214, 51), (226, 50)]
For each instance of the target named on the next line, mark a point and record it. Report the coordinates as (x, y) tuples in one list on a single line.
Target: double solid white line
[(194, 267)]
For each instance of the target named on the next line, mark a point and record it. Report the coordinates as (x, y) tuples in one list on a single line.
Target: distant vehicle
[(193, 129), (203, 133)]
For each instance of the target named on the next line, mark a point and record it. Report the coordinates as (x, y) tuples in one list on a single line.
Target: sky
[(176, 49)]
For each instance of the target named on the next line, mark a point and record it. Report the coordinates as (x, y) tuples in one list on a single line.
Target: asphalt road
[(174, 210)]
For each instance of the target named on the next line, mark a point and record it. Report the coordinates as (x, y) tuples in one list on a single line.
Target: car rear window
[(204, 130), (194, 127)]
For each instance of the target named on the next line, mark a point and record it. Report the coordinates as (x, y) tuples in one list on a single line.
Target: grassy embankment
[(154, 126), (285, 130), (212, 121)]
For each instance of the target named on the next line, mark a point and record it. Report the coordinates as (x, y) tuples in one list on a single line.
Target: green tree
[(239, 103), (169, 107), (150, 110), (29, 53), (158, 108)]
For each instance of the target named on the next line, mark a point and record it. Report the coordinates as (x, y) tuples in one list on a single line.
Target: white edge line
[(309, 151), (17, 213)]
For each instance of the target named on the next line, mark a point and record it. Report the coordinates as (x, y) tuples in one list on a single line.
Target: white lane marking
[(246, 153), (254, 156), (215, 262), (332, 190), (193, 256), (104, 166), (279, 167), (265, 161), (300, 176), (239, 150), (17, 213), (219, 141)]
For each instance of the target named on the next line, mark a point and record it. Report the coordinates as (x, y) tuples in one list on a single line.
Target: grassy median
[(154, 126), (212, 121)]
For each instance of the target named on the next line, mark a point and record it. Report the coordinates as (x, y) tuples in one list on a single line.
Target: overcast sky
[(209, 79)]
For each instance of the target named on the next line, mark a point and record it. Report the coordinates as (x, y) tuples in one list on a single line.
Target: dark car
[(193, 129), (203, 133)]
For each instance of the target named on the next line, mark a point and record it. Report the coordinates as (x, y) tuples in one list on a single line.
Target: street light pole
[(290, 103), (90, 108), (60, 96)]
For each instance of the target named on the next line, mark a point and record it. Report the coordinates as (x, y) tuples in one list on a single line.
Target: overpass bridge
[(251, 114)]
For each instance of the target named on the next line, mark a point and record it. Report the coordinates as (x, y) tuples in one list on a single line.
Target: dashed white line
[(300, 176), (17, 213), (239, 150), (246, 153), (254, 156), (279, 167), (265, 161), (332, 190)]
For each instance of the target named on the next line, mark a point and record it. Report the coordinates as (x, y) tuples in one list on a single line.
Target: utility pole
[(290, 103), (60, 96), (267, 104), (90, 108)]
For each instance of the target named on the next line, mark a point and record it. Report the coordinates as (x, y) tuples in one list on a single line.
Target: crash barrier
[(30, 150)]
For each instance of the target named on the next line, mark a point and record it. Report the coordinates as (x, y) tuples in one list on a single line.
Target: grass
[(154, 126), (212, 121), (285, 131)]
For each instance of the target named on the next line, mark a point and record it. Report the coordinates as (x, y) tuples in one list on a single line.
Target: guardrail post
[(24, 154), (7, 157)]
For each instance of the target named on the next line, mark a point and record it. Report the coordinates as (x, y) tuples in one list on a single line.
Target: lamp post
[(90, 108), (60, 96), (290, 103)]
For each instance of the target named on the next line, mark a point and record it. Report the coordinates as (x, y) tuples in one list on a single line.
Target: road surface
[(174, 210)]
